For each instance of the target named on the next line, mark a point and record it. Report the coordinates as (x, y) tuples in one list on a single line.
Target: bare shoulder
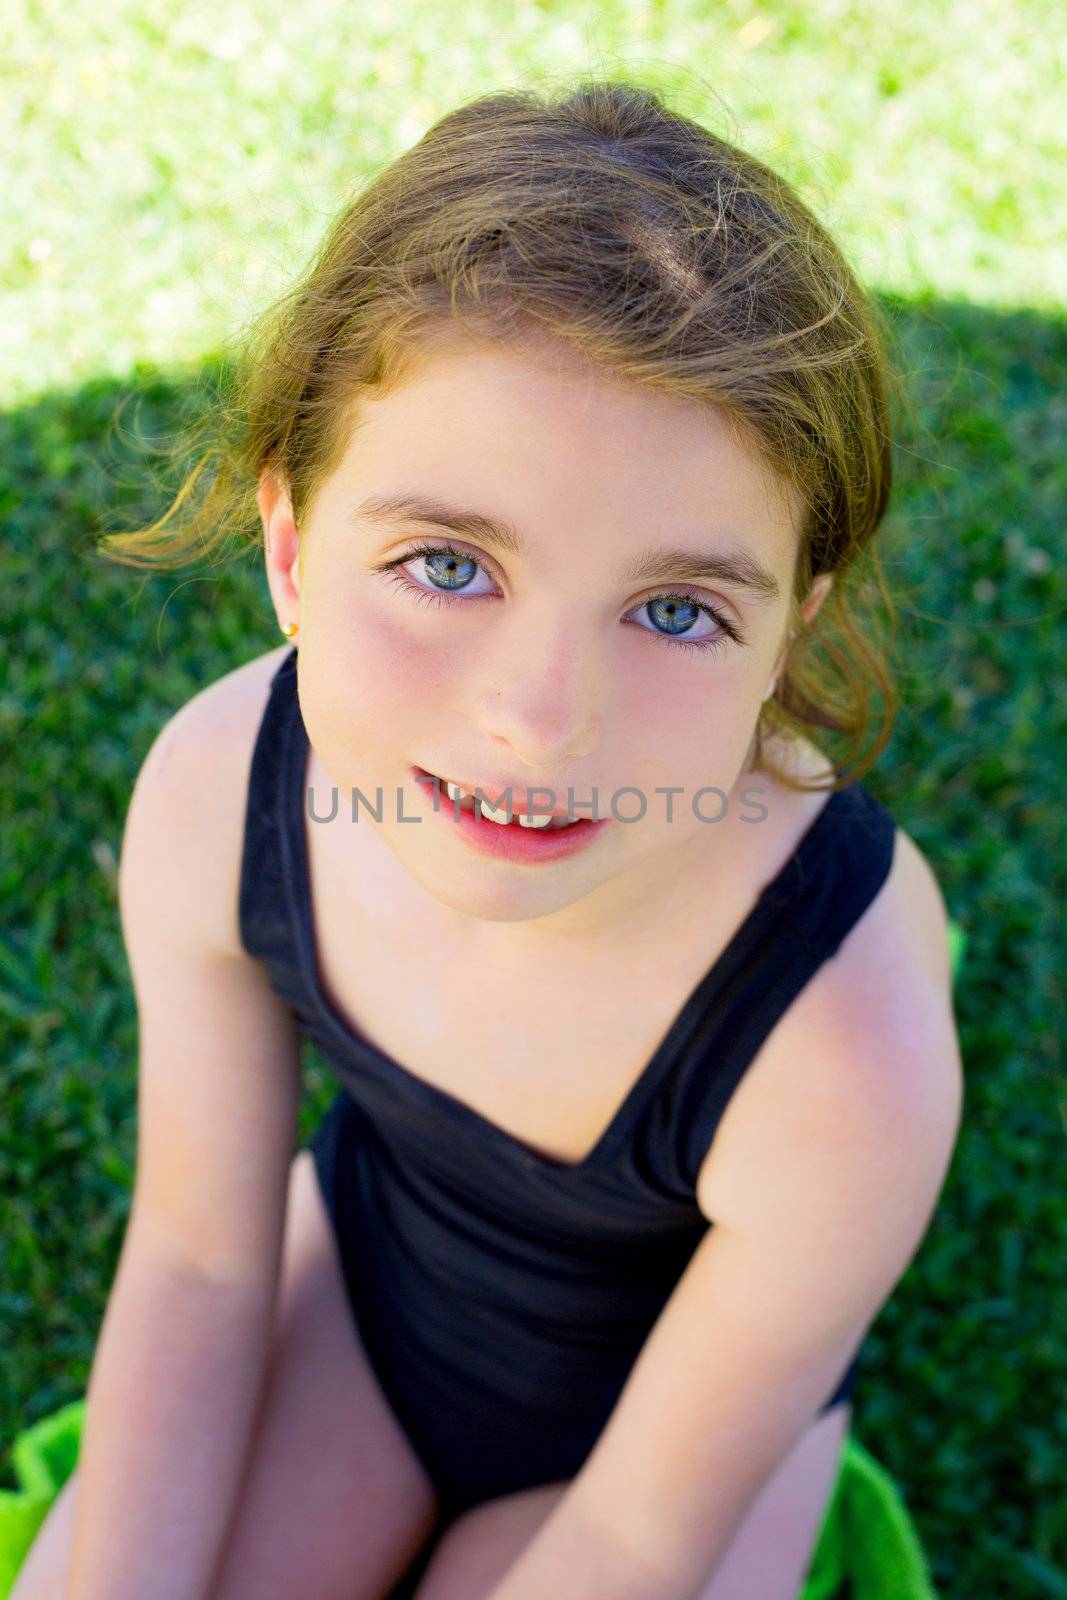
[(865, 1055), (189, 800), (909, 906)]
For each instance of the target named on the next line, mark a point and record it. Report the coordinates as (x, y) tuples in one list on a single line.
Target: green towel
[(867, 1547), (44, 1457), (866, 1541)]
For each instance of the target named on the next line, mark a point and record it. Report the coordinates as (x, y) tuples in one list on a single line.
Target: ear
[(816, 595), (281, 543), (820, 588)]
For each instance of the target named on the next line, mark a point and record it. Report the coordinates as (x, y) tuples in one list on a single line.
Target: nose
[(540, 697)]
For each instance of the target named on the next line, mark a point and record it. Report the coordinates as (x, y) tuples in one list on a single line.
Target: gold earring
[(289, 628)]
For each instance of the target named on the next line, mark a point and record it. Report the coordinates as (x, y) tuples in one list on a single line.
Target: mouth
[(452, 792), (536, 843)]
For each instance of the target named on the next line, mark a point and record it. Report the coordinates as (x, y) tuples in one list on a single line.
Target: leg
[(767, 1558), (482, 1544), (335, 1502)]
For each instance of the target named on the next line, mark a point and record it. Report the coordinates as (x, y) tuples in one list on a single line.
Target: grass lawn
[(175, 164)]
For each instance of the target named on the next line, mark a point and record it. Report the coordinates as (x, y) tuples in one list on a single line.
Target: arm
[(171, 1400), (854, 1110), (184, 1341)]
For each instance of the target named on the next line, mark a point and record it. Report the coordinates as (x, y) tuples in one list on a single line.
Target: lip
[(510, 841), (519, 797)]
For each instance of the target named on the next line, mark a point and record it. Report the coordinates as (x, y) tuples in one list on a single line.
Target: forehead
[(533, 428), (536, 372)]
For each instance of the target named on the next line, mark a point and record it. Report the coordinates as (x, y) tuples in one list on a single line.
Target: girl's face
[(575, 655)]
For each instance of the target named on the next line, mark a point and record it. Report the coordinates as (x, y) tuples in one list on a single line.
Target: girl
[(569, 452)]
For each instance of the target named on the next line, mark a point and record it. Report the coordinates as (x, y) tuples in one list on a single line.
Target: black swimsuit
[(502, 1296)]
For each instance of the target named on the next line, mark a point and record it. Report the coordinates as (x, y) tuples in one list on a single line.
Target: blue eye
[(452, 556)]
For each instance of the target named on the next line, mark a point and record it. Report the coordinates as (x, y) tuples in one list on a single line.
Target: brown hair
[(656, 248)]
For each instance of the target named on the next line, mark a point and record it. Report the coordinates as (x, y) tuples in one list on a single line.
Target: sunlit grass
[(173, 162)]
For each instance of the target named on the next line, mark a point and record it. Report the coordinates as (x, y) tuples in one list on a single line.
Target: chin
[(473, 890)]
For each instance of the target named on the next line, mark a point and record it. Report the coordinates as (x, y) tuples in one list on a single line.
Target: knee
[(477, 1550)]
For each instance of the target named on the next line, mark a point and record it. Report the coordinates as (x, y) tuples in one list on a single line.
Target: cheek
[(404, 673), (680, 702), (694, 727), (389, 658), (375, 687)]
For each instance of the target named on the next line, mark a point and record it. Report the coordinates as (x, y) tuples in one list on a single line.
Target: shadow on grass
[(962, 1392)]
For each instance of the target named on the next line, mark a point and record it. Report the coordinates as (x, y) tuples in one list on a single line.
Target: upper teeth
[(496, 813)]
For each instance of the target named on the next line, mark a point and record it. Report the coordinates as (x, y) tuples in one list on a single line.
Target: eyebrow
[(733, 566)]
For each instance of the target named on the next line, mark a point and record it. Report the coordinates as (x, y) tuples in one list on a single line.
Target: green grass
[(174, 160), (161, 239)]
